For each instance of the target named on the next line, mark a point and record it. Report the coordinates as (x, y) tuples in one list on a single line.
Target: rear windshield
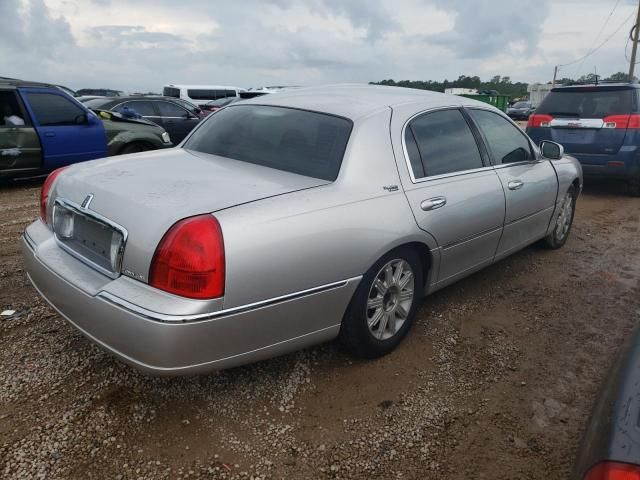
[(296, 141), (171, 92), (588, 102), (98, 102)]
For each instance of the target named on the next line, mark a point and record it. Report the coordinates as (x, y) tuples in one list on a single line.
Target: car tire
[(563, 221), (634, 187), (135, 147), (384, 305)]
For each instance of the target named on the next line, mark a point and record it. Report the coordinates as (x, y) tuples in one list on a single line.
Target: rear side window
[(505, 141), (443, 144), (141, 107), (586, 102), (171, 92), (51, 109), (296, 141)]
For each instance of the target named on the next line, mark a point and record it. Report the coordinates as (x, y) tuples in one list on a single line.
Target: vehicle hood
[(146, 193)]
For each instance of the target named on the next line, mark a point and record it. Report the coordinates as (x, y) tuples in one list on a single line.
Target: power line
[(597, 37), (606, 40)]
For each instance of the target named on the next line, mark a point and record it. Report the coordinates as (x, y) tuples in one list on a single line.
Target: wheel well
[(425, 257), (136, 142), (576, 185)]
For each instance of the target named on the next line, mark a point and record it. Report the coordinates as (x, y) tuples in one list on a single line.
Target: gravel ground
[(496, 379)]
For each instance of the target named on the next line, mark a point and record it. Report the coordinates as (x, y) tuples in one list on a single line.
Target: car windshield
[(221, 102), (296, 141), (97, 102), (521, 105), (586, 102)]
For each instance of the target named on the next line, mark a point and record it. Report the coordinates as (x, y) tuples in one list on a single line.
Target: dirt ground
[(496, 379)]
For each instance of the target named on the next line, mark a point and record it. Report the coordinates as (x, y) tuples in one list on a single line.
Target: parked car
[(520, 110), (67, 90), (609, 447), (43, 128), (215, 105), (200, 94), (100, 92), (129, 135), (597, 124), (86, 98), (292, 219), (174, 117)]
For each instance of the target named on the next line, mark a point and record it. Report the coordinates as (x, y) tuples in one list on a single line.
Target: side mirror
[(551, 150)]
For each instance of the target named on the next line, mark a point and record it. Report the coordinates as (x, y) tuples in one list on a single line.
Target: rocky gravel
[(496, 379)]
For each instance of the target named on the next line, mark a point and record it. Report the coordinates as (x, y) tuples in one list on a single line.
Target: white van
[(200, 94)]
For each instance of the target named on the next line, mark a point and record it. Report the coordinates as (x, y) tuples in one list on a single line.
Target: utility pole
[(555, 74), (634, 47)]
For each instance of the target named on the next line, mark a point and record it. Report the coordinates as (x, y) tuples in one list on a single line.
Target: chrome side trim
[(472, 237), (161, 317), (96, 216)]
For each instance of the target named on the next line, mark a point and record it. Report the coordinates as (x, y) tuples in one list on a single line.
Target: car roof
[(126, 98), (592, 86), (16, 82), (354, 101)]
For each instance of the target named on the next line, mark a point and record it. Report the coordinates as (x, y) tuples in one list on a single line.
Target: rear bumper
[(623, 165), (163, 344)]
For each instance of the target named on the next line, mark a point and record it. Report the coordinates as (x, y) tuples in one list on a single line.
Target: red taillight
[(539, 120), (189, 260), (44, 193), (622, 121), (613, 471)]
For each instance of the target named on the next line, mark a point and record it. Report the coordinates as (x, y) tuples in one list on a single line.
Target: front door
[(20, 151), (176, 120), (455, 194), (68, 132), (529, 181)]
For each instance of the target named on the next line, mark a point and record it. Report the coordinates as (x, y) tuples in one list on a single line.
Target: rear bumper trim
[(160, 317)]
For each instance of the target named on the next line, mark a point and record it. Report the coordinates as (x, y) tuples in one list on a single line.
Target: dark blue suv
[(597, 124)]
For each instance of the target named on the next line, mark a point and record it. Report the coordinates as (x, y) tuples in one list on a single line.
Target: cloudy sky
[(144, 44)]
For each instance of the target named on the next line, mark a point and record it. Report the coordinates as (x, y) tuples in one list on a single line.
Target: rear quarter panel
[(310, 238)]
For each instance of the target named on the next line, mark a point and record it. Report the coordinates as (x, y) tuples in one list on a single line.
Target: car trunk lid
[(146, 194)]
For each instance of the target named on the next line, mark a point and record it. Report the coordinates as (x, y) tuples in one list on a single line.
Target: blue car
[(43, 128), (597, 124)]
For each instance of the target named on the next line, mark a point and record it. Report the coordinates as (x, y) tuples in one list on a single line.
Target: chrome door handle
[(516, 184), (433, 203)]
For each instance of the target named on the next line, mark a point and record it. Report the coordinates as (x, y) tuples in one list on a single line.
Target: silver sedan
[(290, 220)]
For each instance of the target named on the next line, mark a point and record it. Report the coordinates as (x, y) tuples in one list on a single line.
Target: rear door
[(529, 181), (454, 193), (20, 151), (585, 120), (68, 132), (176, 120)]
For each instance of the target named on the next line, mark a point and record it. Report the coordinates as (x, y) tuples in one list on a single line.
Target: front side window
[(52, 109), (296, 141), (443, 144), (170, 110), (505, 141)]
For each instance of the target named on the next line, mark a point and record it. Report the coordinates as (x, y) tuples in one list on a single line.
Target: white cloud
[(144, 44)]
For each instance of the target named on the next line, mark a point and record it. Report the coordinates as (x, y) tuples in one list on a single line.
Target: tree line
[(501, 84)]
